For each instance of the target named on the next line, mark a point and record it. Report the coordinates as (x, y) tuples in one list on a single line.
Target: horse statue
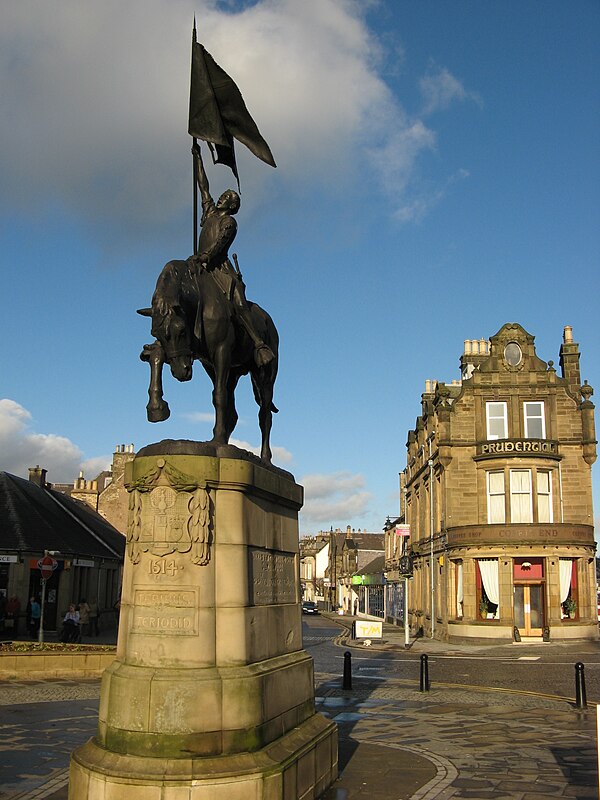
[(192, 319)]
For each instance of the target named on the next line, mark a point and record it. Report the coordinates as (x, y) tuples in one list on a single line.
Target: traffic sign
[(47, 565)]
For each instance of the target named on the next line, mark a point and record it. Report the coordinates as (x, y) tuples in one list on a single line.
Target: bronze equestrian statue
[(199, 311)]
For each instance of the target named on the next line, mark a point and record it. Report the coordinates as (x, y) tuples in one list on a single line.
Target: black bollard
[(347, 682), (580, 698), (424, 685)]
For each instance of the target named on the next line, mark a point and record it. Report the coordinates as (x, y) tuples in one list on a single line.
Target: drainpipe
[(560, 492), (431, 565)]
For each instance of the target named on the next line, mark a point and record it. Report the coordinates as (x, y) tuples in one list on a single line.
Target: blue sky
[(438, 175)]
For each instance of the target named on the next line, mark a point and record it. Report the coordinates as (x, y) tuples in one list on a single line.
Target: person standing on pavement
[(35, 615)]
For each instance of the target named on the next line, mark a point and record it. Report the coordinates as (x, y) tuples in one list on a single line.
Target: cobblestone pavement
[(482, 744), (41, 723), (395, 742)]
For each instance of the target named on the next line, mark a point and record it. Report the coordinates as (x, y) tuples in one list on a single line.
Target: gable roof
[(374, 567), (34, 519), (367, 541)]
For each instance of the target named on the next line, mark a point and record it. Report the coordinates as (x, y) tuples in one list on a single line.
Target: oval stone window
[(513, 354)]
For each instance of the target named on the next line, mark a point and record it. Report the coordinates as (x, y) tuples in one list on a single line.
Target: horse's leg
[(263, 384), (221, 365), (157, 408), (232, 415)]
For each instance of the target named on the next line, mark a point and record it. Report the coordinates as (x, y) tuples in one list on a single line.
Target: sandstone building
[(106, 494), (498, 496)]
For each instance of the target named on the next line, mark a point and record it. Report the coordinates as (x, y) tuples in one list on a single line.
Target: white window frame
[(488, 418), (528, 416), (514, 494), (491, 494), (548, 494)]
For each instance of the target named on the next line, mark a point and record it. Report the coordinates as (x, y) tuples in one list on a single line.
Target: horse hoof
[(158, 413)]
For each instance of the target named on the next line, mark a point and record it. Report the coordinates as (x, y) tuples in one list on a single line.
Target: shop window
[(488, 591), (458, 566), (569, 601), (544, 496), (535, 423), (520, 496), (497, 421), (496, 497)]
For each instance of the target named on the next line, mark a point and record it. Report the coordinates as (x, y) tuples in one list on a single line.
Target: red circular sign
[(47, 565)]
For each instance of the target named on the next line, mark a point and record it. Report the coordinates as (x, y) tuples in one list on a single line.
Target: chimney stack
[(569, 361), (37, 475)]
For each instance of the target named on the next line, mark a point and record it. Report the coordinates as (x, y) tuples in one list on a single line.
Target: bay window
[(496, 497), (521, 509), (544, 496)]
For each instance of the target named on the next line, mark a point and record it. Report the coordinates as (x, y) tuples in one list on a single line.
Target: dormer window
[(497, 421), (535, 423)]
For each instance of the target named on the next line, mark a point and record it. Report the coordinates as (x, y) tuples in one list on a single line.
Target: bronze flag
[(218, 113)]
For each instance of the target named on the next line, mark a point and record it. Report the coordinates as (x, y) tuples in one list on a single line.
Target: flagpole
[(195, 173), (195, 169)]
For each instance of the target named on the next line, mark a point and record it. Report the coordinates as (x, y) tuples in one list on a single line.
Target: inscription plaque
[(272, 577), (165, 611)]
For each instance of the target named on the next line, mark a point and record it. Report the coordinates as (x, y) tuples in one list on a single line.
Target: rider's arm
[(201, 176)]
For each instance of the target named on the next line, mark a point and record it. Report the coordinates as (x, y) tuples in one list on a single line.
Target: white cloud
[(94, 103), (334, 499), (440, 89), (396, 158), (280, 454), (200, 416), (419, 206), (92, 467), (21, 448)]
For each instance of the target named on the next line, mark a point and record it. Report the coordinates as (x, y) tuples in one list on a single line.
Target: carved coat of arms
[(169, 513)]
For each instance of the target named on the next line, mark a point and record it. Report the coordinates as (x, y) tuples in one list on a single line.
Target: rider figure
[(218, 230)]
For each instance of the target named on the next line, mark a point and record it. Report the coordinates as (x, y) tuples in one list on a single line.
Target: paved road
[(547, 669), (395, 742)]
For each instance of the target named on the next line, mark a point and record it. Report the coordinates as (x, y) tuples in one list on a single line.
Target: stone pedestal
[(211, 694)]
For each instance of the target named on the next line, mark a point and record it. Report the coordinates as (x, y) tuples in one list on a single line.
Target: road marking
[(315, 639), (433, 659)]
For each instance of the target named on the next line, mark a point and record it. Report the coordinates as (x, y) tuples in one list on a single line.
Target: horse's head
[(171, 328)]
